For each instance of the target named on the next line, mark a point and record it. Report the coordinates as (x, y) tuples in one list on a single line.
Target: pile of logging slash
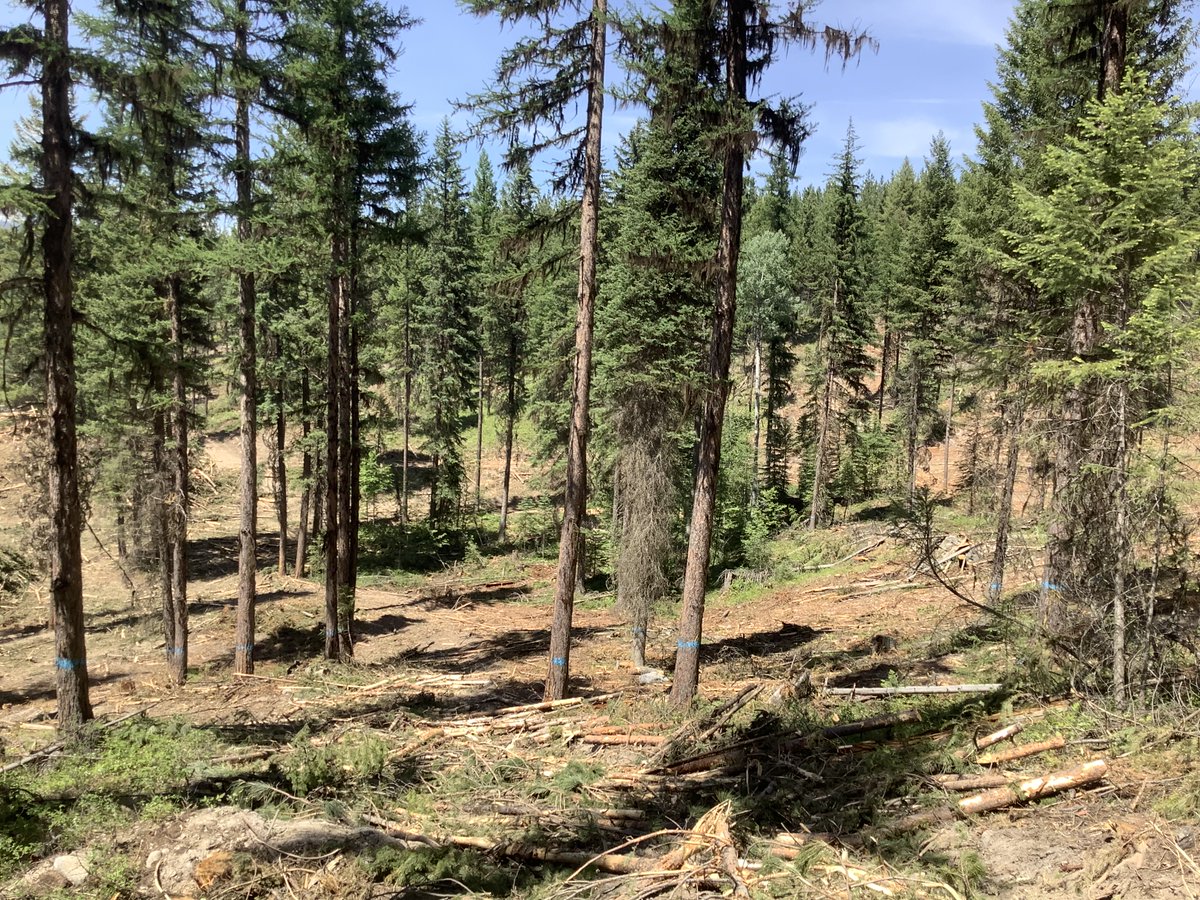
[(707, 854)]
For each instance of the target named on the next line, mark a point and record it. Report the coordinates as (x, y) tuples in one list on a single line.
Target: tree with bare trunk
[(19, 51), (527, 107), (747, 37)]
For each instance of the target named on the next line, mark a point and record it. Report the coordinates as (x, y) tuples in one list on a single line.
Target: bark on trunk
[(479, 441), (178, 653), (243, 650), (345, 474), (558, 672), (914, 407), (757, 413), (949, 434), (820, 469), (883, 372), (306, 474), (1004, 511), (1120, 687), (695, 579), (408, 368), (279, 464), (162, 519), (66, 559), (333, 368), (510, 416)]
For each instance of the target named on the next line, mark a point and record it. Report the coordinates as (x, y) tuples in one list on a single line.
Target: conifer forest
[(566, 499)]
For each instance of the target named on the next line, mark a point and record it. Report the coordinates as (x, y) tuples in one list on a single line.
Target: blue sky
[(931, 73)]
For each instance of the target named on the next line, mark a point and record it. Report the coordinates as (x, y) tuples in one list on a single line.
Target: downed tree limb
[(1021, 751), (616, 864), (735, 754), (1008, 795), (996, 737), (889, 720), (622, 740), (710, 726), (970, 782), (546, 705), (912, 689), (845, 559)]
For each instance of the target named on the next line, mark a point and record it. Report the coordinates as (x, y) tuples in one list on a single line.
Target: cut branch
[(1020, 752), (913, 689)]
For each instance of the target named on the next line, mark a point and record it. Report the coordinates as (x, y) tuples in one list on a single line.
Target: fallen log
[(1006, 796), (912, 689), (1021, 751), (620, 740), (57, 746), (1034, 788), (888, 720)]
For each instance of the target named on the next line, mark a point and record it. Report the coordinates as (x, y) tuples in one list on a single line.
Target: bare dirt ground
[(473, 639)]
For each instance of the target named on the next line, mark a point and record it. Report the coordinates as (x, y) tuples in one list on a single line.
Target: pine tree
[(747, 39), (654, 301), (19, 49), (844, 329), (505, 317), (483, 208), (1114, 232), (528, 105), (923, 308), (155, 84), (444, 326), (363, 155)]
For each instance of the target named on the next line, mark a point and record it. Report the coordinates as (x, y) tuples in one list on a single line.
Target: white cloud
[(898, 138), (977, 22)]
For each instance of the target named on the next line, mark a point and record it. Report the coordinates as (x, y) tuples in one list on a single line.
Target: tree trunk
[(355, 398), (332, 454), (279, 463), (243, 649), (510, 416), (479, 440), (1004, 512), (407, 410), (914, 407), (949, 427), (318, 496), (820, 473), (345, 475), (1113, 46), (704, 496), (883, 371), (178, 653), (161, 501), (757, 399), (306, 475), (66, 556), (558, 672), (1122, 550)]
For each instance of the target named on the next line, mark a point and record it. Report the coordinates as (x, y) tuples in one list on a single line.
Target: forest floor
[(427, 768)]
